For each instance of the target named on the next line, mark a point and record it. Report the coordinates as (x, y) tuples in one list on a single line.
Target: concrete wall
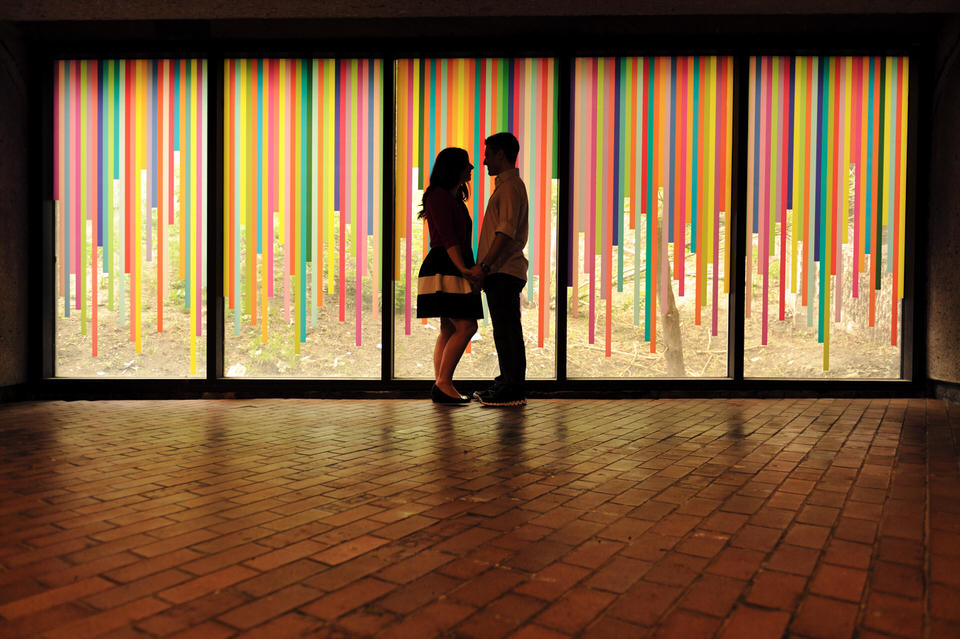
[(943, 246), (366, 9), (761, 20), (13, 208)]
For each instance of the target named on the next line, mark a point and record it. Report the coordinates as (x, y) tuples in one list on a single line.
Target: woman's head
[(451, 170)]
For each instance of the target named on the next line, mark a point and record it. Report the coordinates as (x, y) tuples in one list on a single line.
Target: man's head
[(500, 153)]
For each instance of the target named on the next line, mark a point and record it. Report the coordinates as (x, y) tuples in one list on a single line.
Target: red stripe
[(680, 166), (835, 200), (341, 288), (544, 212), (128, 162), (784, 185), (95, 169), (896, 257), (231, 203), (160, 199)]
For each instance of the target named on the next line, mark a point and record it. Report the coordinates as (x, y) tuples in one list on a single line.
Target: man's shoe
[(502, 397), (480, 394)]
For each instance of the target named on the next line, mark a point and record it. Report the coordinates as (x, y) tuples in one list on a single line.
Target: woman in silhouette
[(444, 288)]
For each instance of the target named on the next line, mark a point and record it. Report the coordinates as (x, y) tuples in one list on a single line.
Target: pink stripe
[(288, 212), (57, 114), (591, 214), (606, 205), (782, 185), (92, 165), (681, 192), (59, 168), (197, 160), (408, 176), (607, 262), (75, 180), (719, 183), (763, 248), (151, 117), (663, 261), (170, 132), (344, 207), (273, 69), (857, 123), (751, 137), (92, 191), (716, 269), (361, 193)]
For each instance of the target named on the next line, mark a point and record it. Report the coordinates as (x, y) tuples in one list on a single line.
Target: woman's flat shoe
[(439, 397)]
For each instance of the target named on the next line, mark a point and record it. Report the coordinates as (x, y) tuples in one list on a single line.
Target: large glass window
[(650, 213), (650, 189), (130, 199), (460, 102), (826, 215), (302, 216)]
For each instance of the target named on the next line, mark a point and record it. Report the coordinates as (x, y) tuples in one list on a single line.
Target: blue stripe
[(673, 146), (694, 195), (260, 156), (790, 92)]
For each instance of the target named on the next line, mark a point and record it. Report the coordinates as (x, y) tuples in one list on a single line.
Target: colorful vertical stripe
[(651, 156), (460, 102), (302, 176), (129, 169), (826, 167)]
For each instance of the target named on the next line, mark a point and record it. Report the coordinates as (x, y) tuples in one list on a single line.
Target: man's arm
[(479, 270), (499, 243)]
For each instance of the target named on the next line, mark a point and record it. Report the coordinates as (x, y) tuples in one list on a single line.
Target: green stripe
[(879, 230), (619, 211)]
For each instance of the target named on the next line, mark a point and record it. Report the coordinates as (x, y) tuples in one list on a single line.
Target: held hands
[(474, 274)]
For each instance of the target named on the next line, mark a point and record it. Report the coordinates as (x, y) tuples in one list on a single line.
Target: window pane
[(826, 209), (650, 209), (302, 201), (460, 102), (130, 199)]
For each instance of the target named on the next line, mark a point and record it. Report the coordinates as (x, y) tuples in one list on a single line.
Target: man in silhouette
[(502, 268)]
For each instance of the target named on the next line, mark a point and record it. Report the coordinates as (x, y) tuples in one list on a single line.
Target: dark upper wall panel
[(14, 236), (31, 10), (943, 243)]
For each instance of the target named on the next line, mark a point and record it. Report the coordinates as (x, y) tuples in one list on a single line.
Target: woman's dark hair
[(446, 172)]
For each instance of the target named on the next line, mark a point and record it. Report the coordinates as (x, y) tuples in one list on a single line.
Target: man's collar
[(503, 176)]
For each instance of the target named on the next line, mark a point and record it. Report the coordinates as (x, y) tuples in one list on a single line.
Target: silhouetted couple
[(450, 278)]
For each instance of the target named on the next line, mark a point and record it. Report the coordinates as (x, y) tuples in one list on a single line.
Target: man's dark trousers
[(503, 301)]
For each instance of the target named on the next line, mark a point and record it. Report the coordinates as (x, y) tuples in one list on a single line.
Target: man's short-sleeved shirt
[(506, 213)]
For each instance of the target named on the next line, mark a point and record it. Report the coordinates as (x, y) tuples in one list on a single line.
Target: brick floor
[(568, 518)]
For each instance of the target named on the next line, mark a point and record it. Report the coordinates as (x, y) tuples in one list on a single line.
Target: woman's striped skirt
[(443, 292)]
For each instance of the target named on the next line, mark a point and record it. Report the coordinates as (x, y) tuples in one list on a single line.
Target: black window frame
[(550, 41)]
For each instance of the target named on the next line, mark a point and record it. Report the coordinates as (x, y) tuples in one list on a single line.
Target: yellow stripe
[(282, 92), (797, 158), (774, 154), (329, 106), (194, 240), (82, 231), (141, 165), (317, 263), (828, 254), (887, 142), (727, 187)]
